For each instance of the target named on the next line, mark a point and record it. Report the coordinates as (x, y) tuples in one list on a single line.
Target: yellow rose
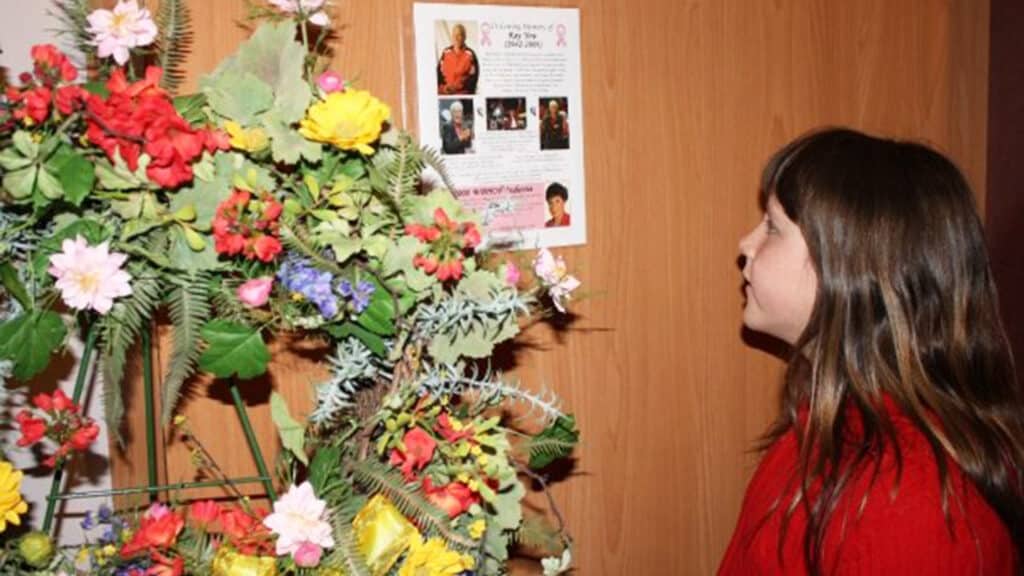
[(248, 139), (350, 120), (12, 506)]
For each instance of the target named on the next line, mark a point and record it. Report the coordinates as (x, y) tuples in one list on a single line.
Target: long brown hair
[(906, 308)]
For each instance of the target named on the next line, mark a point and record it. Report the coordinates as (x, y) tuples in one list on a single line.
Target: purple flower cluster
[(358, 295), (300, 276)]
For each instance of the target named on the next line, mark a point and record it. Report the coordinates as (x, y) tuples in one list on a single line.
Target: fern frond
[(174, 42), (295, 242), (538, 533), (377, 478), (72, 15), (432, 159), (346, 554), (120, 330), (189, 310)]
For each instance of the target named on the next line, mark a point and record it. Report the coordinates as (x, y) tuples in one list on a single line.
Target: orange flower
[(203, 513), (159, 528), (418, 451), (454, 497)]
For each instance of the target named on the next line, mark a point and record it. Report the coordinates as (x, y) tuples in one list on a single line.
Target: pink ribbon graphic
[(560, 31), (485, 34)]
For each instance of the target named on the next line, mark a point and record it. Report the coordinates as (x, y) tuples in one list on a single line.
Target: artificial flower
[(553, 275), (245, 531), (58, 401), (255, 293), (454, 497), (247, 139), (299, 517), (84, 436), (313, 10), (416, 451), (382, 534), (12, 505), (165, 566), (115, 32), (89, 276), (434, 558), (158, 529), (330, 81), (358, 294), (350, 120), (511, 273), (452, 429)]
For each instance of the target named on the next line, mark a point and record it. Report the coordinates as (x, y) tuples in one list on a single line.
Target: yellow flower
[(12, 506), (227, 562), (477, 529), (350, 120), (433, 558), (248, 139)]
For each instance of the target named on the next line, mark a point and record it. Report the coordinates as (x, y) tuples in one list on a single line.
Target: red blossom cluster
[(60, 421), (157, 534), (139, 118), (447, 242), (47, 88), (418, 450), (248, 226)]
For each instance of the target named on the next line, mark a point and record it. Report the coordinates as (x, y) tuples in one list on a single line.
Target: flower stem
[(250, 438), (147, 385)]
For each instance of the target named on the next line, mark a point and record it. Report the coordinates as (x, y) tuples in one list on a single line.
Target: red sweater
[(899, 531)]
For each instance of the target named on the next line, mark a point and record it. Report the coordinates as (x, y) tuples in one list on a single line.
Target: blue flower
[(299, 276), (87, 523), (359, 295)]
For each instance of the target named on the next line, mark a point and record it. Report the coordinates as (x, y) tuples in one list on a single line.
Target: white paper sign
[(500, 95)]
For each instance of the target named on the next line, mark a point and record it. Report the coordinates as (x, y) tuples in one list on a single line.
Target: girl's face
[(780, 280)]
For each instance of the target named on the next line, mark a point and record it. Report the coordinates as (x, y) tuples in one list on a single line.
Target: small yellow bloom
[(248, 139), (350, 120), (482, 460), (180, 420), (463, 477), (228, 562), (476, 450), (473, 485), (477, 529), (12, 506), (434, 558)]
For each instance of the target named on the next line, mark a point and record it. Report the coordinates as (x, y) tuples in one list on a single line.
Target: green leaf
[(554, 442), (326, 461), (11, 281), (372, 341), (273, 54), (238, 95), (233, 349), (25, 144), (11, 160), (189, 309), (48, 184), (379, 316), (133, 228), (21, 183), (190, 107), (205, 195), (183, 255), (76, 174), (194, 239), (118, 176), (291, 431), (287, 146), (29, 340)]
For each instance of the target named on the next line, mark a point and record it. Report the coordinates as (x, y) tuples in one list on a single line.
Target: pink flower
[(512, 274), (553, 275), (89, 276), (308, 555), (331, 81), (255, 292), (117, 31), (299, 519), (312, 9)]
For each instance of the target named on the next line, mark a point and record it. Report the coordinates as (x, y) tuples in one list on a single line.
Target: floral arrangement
[(276, 199)]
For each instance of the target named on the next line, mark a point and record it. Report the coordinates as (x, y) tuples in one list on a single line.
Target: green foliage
[(75, 174), (233, 349), (174, 23), (554, 442), (29, 339), (346, 554), (119, 330), (72, 15), (291, 431), (189, 308), (376, 477), (12, 283)]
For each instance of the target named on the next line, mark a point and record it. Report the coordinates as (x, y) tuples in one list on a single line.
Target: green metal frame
[(152, 488)]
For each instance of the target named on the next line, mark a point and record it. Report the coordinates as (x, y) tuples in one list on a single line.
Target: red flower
[(425, 233), (447, 431), (447, 240), (266, 248), (36, 105), (454, 497), (164, 566), (451, 270), (240, 227), (418, 451), (82, 438), (69, 98), (32, 429), (62, 403), (156, 531), (427, 263), (51, 64), (204, 513), (245, 531)]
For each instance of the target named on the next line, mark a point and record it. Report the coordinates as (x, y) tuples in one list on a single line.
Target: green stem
[(147, 380), (76, 397), (250, 438), (162, 488)]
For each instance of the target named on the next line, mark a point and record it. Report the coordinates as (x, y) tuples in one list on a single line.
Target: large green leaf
[(554, 442), (372, 341), (238, 95), (76, 174), (29, 340), (117, 175), (273, 55), (233, 349), (12, 283), (291, 431), (288, 146), (20, 183)]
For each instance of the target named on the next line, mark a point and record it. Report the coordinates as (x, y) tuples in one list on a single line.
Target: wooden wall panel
[(684, 101)]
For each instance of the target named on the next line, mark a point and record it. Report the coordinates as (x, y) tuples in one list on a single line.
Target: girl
[(901, 440)]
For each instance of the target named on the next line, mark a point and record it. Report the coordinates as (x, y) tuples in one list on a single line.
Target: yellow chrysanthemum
[(248, 139), (434, 558), (350, 120), (12, 506)]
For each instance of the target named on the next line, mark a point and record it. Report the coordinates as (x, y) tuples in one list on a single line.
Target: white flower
[(312, 9), (553, 275), (117, 31), (89, 276), (298, 519)]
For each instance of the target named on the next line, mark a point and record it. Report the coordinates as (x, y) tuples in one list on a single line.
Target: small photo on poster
[(557, 197), (456, 121), (506, 113), (554, 123), (458, 68)]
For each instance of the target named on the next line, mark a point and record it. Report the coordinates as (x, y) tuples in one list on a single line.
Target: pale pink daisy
[(89, 276), (299, 519), (553, 275), (312, 9), (115, 32)]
